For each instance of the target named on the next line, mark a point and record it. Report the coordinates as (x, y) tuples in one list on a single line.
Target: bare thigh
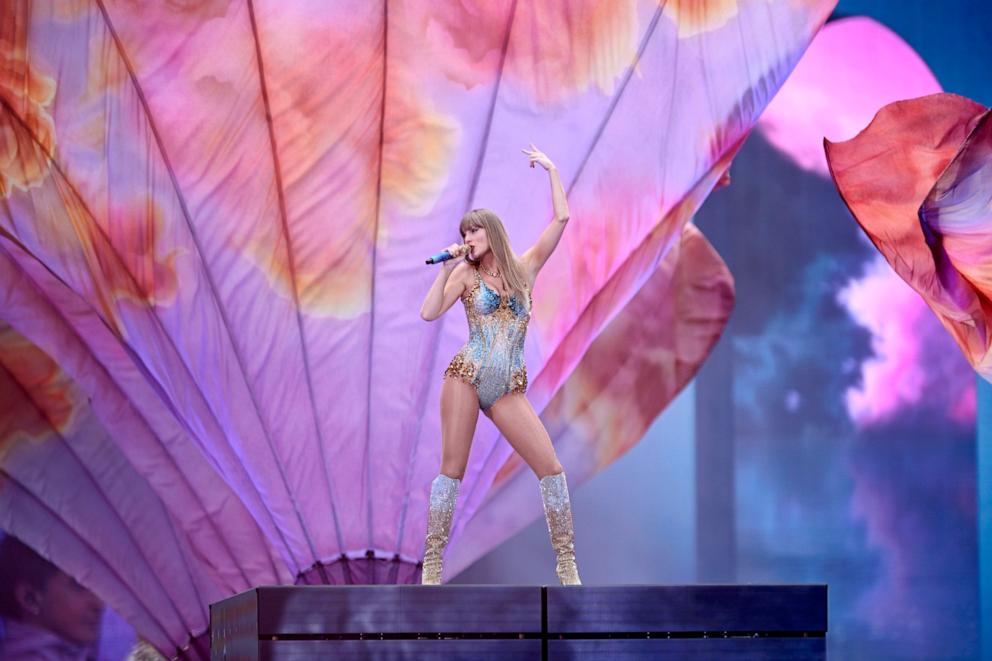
[(518, 422), (459, 413)]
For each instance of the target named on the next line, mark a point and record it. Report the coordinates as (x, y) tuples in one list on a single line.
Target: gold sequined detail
[(519, 380), (461, 368)]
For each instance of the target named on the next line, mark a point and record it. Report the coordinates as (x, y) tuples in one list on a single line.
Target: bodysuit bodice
[(493, 358)]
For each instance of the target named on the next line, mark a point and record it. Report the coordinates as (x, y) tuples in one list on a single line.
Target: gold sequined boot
[(558, 512), (444, 492)]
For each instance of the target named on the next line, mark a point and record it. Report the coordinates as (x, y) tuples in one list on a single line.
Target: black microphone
[(442, 256)]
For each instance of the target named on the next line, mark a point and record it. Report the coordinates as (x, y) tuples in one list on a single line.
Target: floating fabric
[(918, 180)]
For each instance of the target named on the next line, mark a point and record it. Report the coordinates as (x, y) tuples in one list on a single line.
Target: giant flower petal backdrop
[(214, 218)]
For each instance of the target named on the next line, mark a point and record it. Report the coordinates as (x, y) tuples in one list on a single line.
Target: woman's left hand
[(535, 155)]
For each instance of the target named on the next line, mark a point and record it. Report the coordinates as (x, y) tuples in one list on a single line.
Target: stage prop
[(213, 218), (522, 622), (918, 180)]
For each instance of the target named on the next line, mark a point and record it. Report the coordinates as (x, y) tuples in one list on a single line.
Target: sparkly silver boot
[(558, 512), (444, 493)]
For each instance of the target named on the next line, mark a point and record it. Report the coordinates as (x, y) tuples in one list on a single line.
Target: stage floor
[(522, 622)]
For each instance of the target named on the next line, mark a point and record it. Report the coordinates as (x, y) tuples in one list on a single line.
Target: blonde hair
[(514, 276)]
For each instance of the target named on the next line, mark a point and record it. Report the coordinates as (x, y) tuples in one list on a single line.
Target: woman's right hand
[(456, 250), (446, 288)]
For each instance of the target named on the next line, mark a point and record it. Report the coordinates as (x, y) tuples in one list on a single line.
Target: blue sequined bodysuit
[(493, 358)]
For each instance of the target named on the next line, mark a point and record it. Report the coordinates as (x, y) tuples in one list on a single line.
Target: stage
[(522, 622)]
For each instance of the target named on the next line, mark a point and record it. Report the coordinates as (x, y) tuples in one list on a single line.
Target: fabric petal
[(917, 181)]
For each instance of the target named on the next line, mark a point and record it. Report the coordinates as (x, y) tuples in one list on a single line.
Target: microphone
[(442, 256)]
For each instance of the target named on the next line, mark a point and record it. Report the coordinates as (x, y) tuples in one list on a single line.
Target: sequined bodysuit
[(493, 358)]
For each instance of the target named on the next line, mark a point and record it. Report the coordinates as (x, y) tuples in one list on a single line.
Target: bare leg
[(524, 431), (459, 413), (519, 424)]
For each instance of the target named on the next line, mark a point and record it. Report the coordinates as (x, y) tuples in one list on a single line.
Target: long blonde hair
[(514, 276)]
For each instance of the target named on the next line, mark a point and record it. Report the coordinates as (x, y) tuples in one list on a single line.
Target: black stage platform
[(525, 622)]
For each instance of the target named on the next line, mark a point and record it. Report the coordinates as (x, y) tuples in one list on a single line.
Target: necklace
[(488, 272)]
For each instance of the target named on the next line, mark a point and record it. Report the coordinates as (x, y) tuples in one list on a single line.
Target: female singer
[(488, 372)]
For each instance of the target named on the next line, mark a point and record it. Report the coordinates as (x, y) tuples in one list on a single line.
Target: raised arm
[(535, 256), (447, 287)]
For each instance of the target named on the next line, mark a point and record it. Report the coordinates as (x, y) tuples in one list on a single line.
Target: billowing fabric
[(493, 358), (214, 219), (918, 180)]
